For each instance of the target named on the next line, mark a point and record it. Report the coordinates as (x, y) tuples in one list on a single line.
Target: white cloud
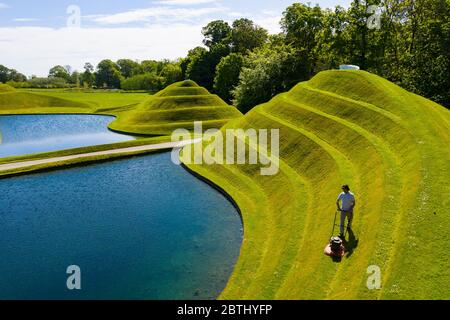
[(34, 50), (3, 6), (270, 21), (164, 32), (236, 14), (158, 14), (183, 2), (25, 19)]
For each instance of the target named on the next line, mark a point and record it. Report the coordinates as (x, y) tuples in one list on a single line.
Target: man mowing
[(345, 204)]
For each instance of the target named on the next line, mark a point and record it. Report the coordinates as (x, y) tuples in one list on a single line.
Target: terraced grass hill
[(177, 106), (6, 88), (391, 146)]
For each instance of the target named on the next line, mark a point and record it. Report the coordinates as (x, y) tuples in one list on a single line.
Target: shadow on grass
[(336, 259), (351, 244)]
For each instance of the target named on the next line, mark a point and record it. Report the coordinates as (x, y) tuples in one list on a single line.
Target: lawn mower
[(335, 248)]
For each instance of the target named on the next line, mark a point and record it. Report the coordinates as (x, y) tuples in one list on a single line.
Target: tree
[(75, 78), (301, 25), (88, 76), (4, 74), (108, 75), (149, 66), (59, 72), (47, 83), (247, 36), (267, 71), (216, 32), (202, 65), (426, 66), (7, 75), (193, 53), (128, 68), (148, 81), (359, 33), (330, 50), (171, 73), (227, 75)]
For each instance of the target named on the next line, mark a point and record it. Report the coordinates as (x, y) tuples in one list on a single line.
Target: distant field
[(98, 99), (391, 146), (61, 101)]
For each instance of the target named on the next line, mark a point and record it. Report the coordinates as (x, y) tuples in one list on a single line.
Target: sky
[(36, 35)]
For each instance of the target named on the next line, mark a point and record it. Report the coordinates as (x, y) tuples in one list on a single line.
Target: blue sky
[(34, 35)]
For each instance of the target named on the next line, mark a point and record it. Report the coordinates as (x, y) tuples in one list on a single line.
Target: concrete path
[(149, 147)]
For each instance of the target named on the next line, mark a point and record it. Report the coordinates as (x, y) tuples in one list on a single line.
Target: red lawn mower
[(336, 246)]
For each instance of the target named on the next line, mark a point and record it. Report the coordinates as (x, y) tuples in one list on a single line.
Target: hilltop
[(176, 107)]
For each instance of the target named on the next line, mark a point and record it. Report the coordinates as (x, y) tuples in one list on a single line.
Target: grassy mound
[(60, 101), (18, 102), (391, 146), (101, 101), (6, 88), (177, 106)]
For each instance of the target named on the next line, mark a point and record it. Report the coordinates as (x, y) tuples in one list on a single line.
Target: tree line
[(126, 74), (404, 41)]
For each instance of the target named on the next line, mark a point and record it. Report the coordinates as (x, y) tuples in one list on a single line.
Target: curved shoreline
[(219, 189), (232, 201)]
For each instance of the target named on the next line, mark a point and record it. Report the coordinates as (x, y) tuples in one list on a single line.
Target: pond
[(139, 228), (28, 134)]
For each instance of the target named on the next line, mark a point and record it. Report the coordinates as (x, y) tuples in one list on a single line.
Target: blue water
[(140, 228), (28, 134)]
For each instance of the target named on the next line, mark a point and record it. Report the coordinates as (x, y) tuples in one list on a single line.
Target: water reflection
[(28, 134)]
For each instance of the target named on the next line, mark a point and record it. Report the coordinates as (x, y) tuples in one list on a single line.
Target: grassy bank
[(62, 153), (391, 146)]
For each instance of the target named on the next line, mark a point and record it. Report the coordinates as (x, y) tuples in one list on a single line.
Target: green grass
[(26, 102), (176, 107), (99, 100), (80, 161), (57, 101), (6, 88), (391, 146), (103, 147)]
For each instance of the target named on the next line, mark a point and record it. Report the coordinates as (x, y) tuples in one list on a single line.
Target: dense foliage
[(227, 75), (147, 81), (268, 71), (407, 42), (7, 75)]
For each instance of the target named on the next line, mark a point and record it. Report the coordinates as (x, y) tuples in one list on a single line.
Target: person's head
[(346, 188)]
